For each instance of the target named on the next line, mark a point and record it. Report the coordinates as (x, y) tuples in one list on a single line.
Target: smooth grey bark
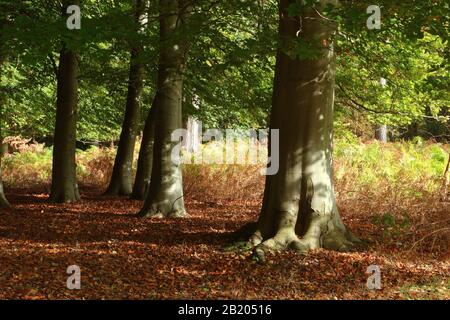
[(381, 133), (145, 160), (299, 207), (165, 194), (121, 179), (64, 181)]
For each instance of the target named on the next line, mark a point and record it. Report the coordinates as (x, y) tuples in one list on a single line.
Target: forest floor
[(125, 257)]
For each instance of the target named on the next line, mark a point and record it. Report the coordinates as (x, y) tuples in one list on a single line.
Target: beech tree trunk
[(3, 201), (165, 193), (381, 133), (299, 208), (64, 181), (121, 179), (145, 160)]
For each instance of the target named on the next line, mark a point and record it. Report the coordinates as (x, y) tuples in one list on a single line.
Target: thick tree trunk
[(299, 207), (145, 160), (121, 180), (165, 193), (64, 181)]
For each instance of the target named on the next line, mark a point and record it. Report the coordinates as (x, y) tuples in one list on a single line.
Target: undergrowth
[(392, 191)]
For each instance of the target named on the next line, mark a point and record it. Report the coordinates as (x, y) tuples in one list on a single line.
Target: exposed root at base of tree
[(64, 197), (118, 191), (117, 194), (335, 240), (160, 214)]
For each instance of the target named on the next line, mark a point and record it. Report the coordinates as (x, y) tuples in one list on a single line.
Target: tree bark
[(145, 160), (381, 133), (446, 179), (121, 179), (165, 193), (299, 207), (64, 181), (3, 201)]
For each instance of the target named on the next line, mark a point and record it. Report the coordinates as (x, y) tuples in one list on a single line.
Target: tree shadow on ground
[(94, 220)]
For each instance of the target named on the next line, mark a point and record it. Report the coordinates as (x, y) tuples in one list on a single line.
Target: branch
[(361, 106)]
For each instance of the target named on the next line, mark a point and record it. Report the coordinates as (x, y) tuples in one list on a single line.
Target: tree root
[(338, 241), (65, 197), (334, 240), (157, 213)]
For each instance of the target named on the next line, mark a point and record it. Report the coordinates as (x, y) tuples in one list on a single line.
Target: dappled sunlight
[(125, 257)]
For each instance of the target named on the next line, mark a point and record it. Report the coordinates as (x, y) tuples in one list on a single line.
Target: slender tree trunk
[(446, 183), (3, 201), (145, 160), (121, 180), (381, 133), (165, 193), (64, 181), (299, 208)]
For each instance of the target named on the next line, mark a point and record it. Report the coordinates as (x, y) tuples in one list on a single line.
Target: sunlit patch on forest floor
[(125, 257)]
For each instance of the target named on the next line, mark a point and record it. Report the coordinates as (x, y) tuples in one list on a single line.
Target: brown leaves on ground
[(122, 256)]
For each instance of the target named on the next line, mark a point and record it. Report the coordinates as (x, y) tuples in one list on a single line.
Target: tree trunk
[(3, 201), (121, 180), (299, 208), (165, 193), (446, 179), (145, 160), (64, 181), (381, 133)]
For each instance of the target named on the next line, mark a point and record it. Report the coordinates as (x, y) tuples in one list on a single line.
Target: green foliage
[(401, 170), (392, 225), (400, 166), (28, 168), (232, 46)]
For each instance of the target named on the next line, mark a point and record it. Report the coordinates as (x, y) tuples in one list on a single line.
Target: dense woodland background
[(390, 150)]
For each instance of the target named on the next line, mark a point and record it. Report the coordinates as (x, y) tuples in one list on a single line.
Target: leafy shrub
[(395, 171), (27, 168)]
